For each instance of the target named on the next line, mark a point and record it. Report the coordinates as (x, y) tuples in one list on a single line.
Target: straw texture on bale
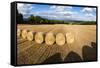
[(24, 34), (60, 39), (30, 36), (18, 32), (39, 38), (70, 38), (49, 38)]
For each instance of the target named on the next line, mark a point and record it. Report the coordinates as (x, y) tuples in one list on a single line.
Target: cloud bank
[(58, 12)]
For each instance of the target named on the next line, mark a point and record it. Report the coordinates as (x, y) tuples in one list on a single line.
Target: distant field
[(33, 53)]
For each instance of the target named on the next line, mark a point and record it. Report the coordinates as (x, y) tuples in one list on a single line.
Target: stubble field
[(30, 52)]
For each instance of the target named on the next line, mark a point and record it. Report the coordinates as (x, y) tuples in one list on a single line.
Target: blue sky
[(58, 12)]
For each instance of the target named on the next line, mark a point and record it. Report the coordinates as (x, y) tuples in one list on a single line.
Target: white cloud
[(88, 10), (25, 9), (60, 8), (88, 17), (68, 7), (58, 15), (19, 5), (57, 8), (88, 14), (53, 7), (67, 15), (58, 12)]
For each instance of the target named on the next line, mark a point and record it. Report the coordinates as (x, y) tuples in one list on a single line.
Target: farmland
[(30, 52)]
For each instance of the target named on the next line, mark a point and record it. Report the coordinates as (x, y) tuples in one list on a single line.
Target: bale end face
[(18, 32), (30, 36), (24, 34), (49, 39), (39, 38), (60, 39), (70, 38)]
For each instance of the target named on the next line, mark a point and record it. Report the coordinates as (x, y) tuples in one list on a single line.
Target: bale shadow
[(56, 58), (72, 57), (93, 44), (90, 53)]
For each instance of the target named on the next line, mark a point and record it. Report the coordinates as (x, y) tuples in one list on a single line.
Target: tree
[(41, 21), (19, 18), (31, 19)]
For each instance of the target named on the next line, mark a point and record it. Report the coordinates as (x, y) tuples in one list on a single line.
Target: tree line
[(39, 20)]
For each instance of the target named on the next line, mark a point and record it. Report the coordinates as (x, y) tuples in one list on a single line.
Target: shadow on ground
[(72, 57), (89, 54), (56, 58)]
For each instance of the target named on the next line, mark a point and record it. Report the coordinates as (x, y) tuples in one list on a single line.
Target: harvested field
[(30, 52)]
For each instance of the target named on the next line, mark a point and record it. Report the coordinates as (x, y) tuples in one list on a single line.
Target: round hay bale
[(70, 38), (39, 37), (24, 34), (30, 36), (49, 38), (60, 39), (18, 32)]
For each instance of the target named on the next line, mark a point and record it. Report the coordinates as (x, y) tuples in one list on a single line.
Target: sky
[(57, 12)]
